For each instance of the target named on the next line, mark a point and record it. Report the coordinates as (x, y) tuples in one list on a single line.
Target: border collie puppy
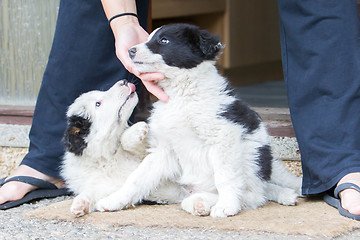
[(102, 150), (204, 138)]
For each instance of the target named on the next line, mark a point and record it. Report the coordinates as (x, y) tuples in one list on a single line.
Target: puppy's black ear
[(77, 130), (210, 45)]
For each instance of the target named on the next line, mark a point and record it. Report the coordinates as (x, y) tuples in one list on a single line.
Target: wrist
[(126, 14), (121, 21)]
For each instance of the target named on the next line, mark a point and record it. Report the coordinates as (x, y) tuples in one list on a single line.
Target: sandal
[(336, 201), (45, 190)]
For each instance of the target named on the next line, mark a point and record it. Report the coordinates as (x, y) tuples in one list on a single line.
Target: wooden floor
[(268, 94)]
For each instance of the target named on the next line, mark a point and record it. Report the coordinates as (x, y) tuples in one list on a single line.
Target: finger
[(155, 76), (156, 91)]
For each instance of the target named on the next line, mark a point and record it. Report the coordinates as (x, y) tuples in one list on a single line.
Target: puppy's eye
[(97, 104), (122, 83), (164, 41)]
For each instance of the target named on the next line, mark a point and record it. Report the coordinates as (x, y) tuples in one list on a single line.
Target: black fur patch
[(74, 139), (238, 112), (264, 162), (228, 90), (184, 46)]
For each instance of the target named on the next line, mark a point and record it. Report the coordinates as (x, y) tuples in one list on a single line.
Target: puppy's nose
[(132, 52)]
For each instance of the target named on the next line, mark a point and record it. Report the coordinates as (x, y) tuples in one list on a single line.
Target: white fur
[(113, 149), (192, 146)]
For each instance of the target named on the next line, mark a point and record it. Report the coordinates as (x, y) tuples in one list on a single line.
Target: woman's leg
[(82, 59), (321, 61)]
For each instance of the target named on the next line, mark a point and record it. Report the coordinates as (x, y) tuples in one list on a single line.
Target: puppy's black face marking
[(184, 46), (239, 113), (264, 161), (77, 130)]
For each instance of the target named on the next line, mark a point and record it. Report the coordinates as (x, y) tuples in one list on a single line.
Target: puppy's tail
[(280, 176)]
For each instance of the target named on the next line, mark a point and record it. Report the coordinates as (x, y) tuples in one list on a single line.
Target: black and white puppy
[(102, 150), (204, 138)]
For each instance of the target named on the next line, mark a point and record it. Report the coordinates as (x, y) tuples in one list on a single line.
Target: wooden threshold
[(19, 115), (277, 120)]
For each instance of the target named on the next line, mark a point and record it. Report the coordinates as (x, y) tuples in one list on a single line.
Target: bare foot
[(14, 190), (350, 198)]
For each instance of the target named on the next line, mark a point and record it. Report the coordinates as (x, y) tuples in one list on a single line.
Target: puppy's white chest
[(177, 133)]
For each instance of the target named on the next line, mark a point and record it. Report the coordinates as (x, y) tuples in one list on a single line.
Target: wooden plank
[(17, 120), (27, 111), (181, 8), (277, 121), (251, 31), (282, 131)]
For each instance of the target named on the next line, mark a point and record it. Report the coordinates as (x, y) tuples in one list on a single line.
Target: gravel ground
[(14, 226)]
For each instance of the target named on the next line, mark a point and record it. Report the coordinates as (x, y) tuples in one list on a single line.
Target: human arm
[(128, 32)]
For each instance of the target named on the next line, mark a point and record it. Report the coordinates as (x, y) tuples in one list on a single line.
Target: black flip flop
[(45, 190), (336, 201)]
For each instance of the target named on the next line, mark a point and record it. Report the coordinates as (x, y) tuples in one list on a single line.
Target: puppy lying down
[(102, 150), (204, 139)]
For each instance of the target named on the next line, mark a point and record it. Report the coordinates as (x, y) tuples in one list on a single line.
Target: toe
[(350, 198), (350, 201)]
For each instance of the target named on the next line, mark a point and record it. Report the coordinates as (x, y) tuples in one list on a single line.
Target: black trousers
[(82, 59), (321, 61)]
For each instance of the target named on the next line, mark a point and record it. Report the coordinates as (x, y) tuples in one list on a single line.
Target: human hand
[(128, 33)]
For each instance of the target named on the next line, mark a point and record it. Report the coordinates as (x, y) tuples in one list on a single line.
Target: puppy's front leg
[(133, 139), (228, 203), (139, 184)]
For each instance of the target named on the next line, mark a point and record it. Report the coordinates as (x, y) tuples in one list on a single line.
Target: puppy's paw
[(109, 204), (80, 206), (287, 197), (298, 191), (201, 207), (196, 206), (133, 139), (139, 131), (143, 131), (222, 211)]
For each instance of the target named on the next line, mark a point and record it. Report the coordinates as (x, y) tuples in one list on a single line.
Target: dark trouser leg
[(82, 59), (321, 60)]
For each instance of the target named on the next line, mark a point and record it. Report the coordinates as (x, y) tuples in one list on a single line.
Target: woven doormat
[(309, 217)]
